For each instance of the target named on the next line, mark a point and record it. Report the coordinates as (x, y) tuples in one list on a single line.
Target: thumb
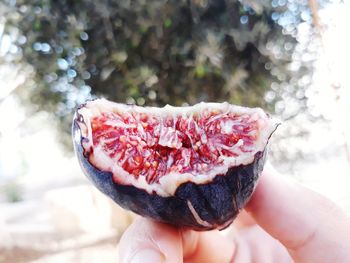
[(310, 226)]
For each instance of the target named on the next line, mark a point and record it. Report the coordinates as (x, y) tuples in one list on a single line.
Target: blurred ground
[(69, 224), (101, 251)]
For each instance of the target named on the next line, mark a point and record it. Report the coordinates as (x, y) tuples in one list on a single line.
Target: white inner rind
[(167, 184)]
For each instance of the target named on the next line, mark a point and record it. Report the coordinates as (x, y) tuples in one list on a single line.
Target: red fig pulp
[(179, 156)]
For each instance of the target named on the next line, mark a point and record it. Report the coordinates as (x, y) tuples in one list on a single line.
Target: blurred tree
[(156, 52)]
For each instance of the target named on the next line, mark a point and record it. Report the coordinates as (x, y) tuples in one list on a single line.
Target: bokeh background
[(289, 57)]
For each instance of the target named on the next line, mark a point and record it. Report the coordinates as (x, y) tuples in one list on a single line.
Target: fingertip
[(305, 222), (147, 256), (189, 242), (149, 241), (264, 188), (209, 246)]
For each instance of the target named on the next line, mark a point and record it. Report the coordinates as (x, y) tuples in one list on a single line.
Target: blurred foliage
[(12, 192), (157, 52)]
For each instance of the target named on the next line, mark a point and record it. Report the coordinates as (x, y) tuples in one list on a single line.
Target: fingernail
[(148, 256)]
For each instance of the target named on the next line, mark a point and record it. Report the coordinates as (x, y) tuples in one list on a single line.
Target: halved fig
[(193, 166)]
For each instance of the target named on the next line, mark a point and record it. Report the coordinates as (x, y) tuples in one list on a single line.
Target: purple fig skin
[(217, 203)]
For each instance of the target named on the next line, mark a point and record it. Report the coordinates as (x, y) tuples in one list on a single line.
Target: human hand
[(293, 223)]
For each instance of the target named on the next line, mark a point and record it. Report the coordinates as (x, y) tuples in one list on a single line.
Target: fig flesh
[(192, 167)]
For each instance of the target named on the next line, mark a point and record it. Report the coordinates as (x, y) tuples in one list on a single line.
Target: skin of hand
[(283, 222)]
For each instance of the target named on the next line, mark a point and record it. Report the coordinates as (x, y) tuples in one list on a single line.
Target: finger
[(309, 225), (265, 249), (148, 241), (206, 247), (244, 220)]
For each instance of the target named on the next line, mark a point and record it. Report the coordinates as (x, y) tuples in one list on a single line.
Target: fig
[(192, 167)]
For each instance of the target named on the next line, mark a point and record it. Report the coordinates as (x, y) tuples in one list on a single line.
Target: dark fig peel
[(192, 166)]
